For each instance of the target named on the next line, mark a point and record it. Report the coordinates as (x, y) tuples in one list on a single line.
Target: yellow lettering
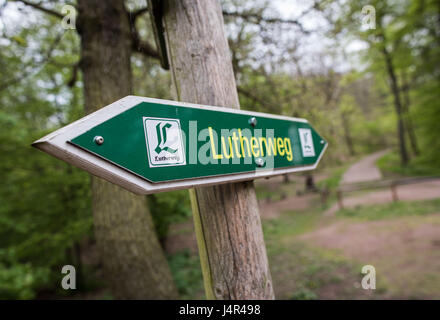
[(242, 140), (214, 155), (263, 139), (288, 149), (235, 139), (272, 147), (254, 145), (231, 154), (280, 146)]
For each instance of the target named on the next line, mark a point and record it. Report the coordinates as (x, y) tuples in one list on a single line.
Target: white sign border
[(57, 144)]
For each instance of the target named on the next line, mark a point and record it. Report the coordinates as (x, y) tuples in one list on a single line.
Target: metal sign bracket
[(155, 9)]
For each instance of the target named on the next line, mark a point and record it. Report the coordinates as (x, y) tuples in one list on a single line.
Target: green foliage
[(20, 281), (185, 267), (169, 207), (334, 178), (427, 115), (45, 210), (45, 204), (295, 223), (406, 41), (304, 294), (389, 165)]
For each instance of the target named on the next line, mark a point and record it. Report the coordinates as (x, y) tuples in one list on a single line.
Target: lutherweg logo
[(164, 142)]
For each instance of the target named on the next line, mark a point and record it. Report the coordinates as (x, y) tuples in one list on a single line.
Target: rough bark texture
[(133, 259), (397, 103), (408, 121), (228, 226)]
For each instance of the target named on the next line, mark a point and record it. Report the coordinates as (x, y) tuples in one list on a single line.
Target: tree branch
[(257, 19), (28, 73), (143, 47), (137, 13), (74, 77), (41, 8), (254, 98), (138, 45)]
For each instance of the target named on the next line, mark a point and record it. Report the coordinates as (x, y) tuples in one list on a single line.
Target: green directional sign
[(149, 145)]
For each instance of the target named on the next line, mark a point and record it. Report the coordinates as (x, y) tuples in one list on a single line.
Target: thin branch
[(254, 98), (138, 12), (143, 47), (133, 15), (258, 19), (74, 77), (139, 45), (41, 8), (41, 63)]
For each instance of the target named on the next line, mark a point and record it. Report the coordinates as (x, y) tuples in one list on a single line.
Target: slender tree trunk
[(408, 122), (310, 182), (347, 136), (226, 217), (133, 259), (397, 104)]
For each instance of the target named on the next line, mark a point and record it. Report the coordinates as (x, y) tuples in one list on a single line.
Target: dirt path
[(399, 249), (273, 210), (364, 170), (412, 192)]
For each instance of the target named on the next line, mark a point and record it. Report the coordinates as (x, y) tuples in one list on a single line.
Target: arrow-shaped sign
[(148, 145)]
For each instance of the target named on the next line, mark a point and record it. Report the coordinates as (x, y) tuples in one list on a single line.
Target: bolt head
[(259, 162), (98, 140), (322, 141), (253, 121)]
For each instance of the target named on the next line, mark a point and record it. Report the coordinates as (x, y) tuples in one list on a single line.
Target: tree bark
[(408, 121), (133, 259), (397, 103), (226, 217), (347, 135), (310, 182)]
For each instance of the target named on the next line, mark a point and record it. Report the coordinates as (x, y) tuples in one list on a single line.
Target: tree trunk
[(226, 217), (408, 122), (397, 104), (347, 136), (310, 183), (133, 259)]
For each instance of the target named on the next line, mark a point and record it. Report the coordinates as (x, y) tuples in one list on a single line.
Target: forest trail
[(412, 192), (398, 248), (364, 170), (296, 230)]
